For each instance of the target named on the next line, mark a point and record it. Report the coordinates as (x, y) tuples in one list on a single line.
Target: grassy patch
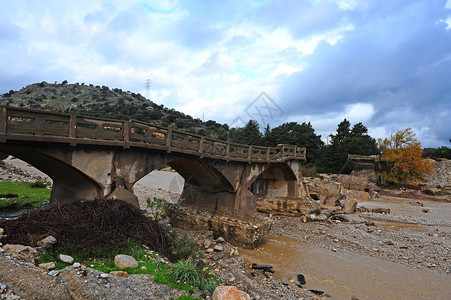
[(28, 197), (442, 193), (184, 275)]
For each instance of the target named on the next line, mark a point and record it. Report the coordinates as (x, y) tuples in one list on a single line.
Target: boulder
[(217, 256), (349, 206), (120, 193), (288, 207), (47, 242), (317, 193), (22, 252), (353, 182), (122, 274), (123, 261), (47, 266), (357, 195), (224, 292), (66, 258), (332, 198), (246, 232)]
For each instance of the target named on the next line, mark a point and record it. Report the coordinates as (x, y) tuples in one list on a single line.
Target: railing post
[(267, 154), (228, 152), (169, 140), (249, 155), (3, 120), (126, 134), (72, 129), (39, 124), (3, 123), (201, 146)]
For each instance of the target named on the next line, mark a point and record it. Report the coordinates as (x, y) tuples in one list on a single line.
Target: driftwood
[(266, 268)]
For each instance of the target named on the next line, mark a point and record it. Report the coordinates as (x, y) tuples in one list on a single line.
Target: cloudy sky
[(386, 63)]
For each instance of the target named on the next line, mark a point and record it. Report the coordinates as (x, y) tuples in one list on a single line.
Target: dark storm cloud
[(397, 60)]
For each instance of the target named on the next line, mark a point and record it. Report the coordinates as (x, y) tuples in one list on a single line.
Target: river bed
[(342, 274)]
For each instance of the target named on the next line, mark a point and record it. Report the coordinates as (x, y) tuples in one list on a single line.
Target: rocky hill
[(101, 101)]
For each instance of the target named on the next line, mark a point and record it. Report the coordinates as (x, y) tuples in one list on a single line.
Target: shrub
[(309, 171), (3, 156), (183, 248), (160, 208), (185, 271), (442, 193), (38, 184)]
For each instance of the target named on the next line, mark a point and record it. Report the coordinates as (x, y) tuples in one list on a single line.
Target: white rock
[(220, 239), (76, 265), (47, 242), (47, 266), (123, 261), (66, 258), (218, 248)]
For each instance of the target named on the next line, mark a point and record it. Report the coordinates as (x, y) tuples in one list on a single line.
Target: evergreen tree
[(346, 141), (247, 135), (302, 135)]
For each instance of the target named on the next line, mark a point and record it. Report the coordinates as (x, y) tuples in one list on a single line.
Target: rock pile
[(441, 177)]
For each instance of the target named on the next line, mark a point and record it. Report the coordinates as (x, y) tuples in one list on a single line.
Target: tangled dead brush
[(88, 224)]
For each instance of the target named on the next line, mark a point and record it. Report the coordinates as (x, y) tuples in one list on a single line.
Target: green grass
[(28, 196), (442, 193), (104, 262)]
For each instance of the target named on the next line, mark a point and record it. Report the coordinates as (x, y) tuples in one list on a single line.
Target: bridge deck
[(18, 124)]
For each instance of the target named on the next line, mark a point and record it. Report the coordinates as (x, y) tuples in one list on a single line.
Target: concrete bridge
[(91, 158)]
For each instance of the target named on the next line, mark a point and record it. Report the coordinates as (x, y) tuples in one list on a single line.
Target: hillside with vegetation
[(101, 101)]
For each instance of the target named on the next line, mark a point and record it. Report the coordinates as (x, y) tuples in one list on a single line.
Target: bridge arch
[(205, 187), (68, 182), (275, 180)]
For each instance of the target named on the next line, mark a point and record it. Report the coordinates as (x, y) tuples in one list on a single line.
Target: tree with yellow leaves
[(402, 156)]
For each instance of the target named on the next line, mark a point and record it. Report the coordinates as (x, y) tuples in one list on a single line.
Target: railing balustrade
[(20, 121)]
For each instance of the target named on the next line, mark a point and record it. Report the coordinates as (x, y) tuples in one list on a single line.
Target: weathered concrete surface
[(120, 193), (90, 173), (249, 233), (288, 207), (353, 182)]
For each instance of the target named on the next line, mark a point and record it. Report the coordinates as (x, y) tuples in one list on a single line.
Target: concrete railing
[(36, 125)]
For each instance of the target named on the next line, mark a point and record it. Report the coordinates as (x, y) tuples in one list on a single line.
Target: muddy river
[(343, 274)]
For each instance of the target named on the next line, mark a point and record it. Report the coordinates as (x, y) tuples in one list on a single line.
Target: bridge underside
[(88, 173)]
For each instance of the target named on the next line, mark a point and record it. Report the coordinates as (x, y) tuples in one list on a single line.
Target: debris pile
[(85, 225)]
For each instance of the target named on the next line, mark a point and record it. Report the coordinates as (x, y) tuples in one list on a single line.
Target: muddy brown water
[(342, 275)]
